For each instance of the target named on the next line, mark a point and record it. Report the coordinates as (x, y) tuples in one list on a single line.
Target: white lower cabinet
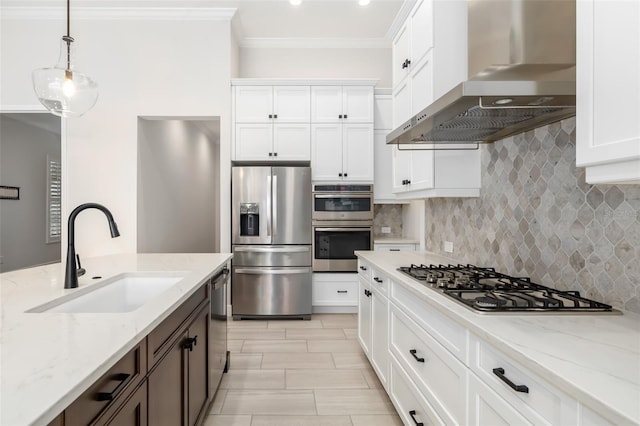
[(334, 290), (437, 371), (394, 247)]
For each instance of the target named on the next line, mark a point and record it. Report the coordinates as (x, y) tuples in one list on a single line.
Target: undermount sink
[(121, 293)]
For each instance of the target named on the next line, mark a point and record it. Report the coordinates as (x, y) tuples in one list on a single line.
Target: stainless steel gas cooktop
[(487, 291)]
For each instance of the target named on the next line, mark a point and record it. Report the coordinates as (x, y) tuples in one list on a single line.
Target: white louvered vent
[(54, 200)]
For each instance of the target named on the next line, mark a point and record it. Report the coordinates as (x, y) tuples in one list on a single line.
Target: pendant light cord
[(68, 39)]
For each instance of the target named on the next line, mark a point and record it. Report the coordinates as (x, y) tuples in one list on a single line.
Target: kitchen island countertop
[(593, 358), (49, 359)]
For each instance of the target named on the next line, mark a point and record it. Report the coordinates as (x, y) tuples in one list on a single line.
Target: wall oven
[(342, 220)]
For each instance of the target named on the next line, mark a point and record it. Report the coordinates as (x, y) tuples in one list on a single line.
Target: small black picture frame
[(9, 192)]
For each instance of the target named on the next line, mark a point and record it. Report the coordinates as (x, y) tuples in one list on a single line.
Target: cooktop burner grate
[(486, 290)]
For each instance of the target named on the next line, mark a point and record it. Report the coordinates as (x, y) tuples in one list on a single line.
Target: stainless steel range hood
[(521, 54)]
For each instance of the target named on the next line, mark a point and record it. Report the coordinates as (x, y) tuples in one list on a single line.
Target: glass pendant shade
[(62, 89)]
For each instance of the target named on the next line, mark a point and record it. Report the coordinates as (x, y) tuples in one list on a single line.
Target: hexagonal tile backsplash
[(537, 217)]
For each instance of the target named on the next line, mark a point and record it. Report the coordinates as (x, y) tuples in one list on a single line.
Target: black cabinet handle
[(275, 115), (413, 354), (340, 174), (190, 343), (345, 175), (345, 116), (342, 291), (367, 293), (340, 116), (270, 115), (518, 388), (275, 154), (394, 249), (412, 413), (109, 396), (270, 154), (376, 279), (363, 268)]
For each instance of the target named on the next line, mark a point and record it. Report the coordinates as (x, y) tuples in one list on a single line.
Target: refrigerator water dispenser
[(249, 220)]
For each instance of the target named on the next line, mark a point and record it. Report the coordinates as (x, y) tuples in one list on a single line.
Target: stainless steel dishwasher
[(218, 353)]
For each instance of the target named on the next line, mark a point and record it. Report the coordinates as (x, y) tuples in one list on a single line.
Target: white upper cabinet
[(272, 123), (342, 152), (264, 104), (342, 104), (400, 54), (421, 35), (608, 90)]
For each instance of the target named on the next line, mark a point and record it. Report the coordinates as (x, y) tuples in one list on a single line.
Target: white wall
[(317, 63), (177, 173), (23, 163), (154, 67)]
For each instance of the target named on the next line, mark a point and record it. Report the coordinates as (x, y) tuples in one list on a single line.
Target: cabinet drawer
[(488, 408), (364, 270), (159, 340), (436, 373), (379, 281), (542, 403), (445, 330), (110, 389), (335, 293), (410, 404), (394, 247)]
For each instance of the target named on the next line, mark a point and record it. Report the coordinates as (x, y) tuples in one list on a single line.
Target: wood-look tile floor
[(300, 373)]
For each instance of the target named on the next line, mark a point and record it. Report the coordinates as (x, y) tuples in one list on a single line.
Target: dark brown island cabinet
[(164, 380)]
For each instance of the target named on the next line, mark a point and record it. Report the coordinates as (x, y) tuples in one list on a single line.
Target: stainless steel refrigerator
[(271, 239)]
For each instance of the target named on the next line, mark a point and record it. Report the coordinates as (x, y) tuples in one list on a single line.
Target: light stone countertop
[(593, 358), (49, 359)]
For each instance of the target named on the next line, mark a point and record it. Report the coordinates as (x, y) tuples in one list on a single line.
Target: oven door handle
[(261, 271), (272, 249), (364, 228), (343, 195)]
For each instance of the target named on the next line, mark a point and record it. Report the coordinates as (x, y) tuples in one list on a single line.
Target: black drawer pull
[(412, 413), (110, 396), (413, 354), (190, 343), (378, 280), (518, 388), (363, 268), (342, 291), (394, 249)]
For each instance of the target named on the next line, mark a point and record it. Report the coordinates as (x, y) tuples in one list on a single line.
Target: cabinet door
[(421, 83), (254, 142), (198, 367), (134, 411), (254, 104), (401, 103), (167, 392), (383, 175), (421, 19), (380, 339), (326, 104), (326, 151), (292, 142), (401, 169), (292, 104), (608, 90), (422, 170), (357, 104), (357, 152), (364, 316), (400, 54)]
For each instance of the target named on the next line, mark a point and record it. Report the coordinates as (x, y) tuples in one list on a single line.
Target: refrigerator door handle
[(261, 271), (274, 208), (269, 206), (272, 249)]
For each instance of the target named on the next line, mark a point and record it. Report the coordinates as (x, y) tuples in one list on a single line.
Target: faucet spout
[(71, 271)]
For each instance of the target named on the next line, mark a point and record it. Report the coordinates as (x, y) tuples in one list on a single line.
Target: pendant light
[(62, 89)]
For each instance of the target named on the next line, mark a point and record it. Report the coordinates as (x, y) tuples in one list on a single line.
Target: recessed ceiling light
[(295, 2), (364, 2)]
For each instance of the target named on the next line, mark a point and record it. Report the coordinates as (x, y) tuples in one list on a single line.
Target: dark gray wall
[(178, 180), (23, 163)]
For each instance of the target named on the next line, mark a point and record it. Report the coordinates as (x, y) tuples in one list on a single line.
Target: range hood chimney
[(521, 56)]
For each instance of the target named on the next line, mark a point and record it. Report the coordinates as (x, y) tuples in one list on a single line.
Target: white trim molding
[(314, 43), (304, 81)]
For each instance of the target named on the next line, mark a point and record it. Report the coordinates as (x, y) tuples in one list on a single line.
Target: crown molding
[(168, 13), (400, 18), (314, 43)]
